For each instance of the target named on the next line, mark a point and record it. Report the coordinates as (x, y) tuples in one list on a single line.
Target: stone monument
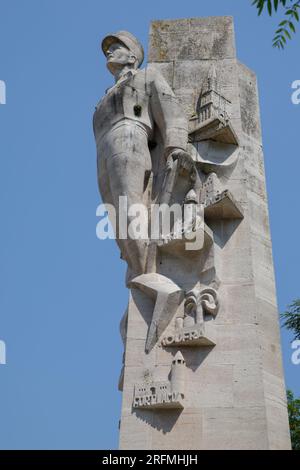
[(202, 364)]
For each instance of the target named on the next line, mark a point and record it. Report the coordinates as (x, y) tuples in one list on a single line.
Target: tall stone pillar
[(213, 380)]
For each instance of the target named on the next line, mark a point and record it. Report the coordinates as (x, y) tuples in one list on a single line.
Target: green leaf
[(260, 6), (260, 10), (292, 318), (270, 7), (294, 419), (285, 27)]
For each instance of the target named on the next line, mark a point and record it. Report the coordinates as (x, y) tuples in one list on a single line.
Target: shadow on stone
[(195, 357), (144, 304), (162, 420), (224, 230)]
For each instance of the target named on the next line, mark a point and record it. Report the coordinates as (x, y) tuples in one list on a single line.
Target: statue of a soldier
[(124, 123)]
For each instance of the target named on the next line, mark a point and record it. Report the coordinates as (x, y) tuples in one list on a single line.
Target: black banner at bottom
[(133, 459)]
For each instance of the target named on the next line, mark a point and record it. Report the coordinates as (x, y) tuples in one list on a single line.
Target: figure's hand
[(186, 164), (174, 152), (185, 161)]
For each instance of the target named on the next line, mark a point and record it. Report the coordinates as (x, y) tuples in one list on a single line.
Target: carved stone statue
[(139, 104), (148, 147)]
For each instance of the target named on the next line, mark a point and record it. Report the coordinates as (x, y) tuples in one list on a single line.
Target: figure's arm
[(168, 115)]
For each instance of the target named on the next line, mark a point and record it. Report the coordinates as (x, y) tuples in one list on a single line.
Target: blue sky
[(62, 290)]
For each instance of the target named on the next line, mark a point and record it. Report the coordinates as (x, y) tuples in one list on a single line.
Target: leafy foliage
[(291, 318), (294, 419), (292, 322), (286, 28)]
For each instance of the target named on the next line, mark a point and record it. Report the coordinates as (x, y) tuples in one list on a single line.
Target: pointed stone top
[(178, 358), (211, 82), (191, 197), (212, 74)]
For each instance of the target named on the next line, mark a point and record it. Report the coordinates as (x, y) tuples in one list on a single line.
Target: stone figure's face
[(118, 56)]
